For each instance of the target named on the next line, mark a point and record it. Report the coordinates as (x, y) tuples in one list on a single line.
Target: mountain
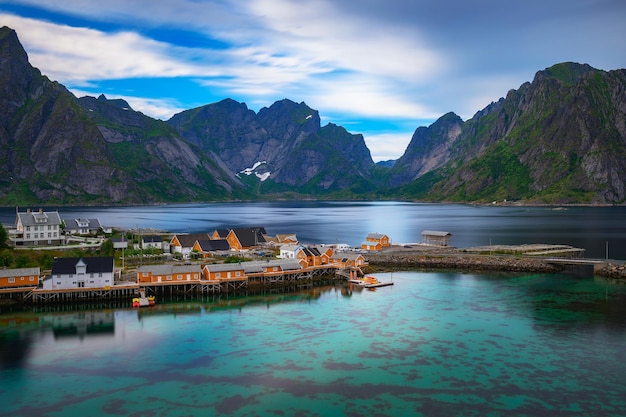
[(283, 148), (57, 149), (162, 164), (46, 139), (560, 139)]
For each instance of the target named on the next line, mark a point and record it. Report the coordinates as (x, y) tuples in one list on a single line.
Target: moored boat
[(370, 282), (143, 301)]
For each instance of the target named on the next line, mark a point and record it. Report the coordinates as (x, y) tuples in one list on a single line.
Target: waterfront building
[(36, 228), (168, 273), (88, 272), (19, 277), (434, 237)]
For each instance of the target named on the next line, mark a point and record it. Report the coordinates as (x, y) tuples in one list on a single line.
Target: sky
[(381, 68)]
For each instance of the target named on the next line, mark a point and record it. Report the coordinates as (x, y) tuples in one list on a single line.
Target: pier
[(125, 290)]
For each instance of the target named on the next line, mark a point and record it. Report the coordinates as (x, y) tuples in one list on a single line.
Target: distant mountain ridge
[(559, 139), (285, 144)]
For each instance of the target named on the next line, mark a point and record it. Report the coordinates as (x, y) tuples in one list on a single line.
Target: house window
[(100, 275), (28, 228), (169, 277), (27, 235), (21, 278), (145, 274), (11, 280), (179, 277), (218, 275), (90, 275), (31, 278)]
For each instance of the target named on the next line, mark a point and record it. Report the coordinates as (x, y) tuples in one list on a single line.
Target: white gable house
[(92, 272)]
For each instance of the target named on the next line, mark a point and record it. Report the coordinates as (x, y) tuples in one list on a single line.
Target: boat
[(143, 301), (370, 282)]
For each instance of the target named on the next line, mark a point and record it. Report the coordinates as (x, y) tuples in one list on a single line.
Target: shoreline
[(448, 258)]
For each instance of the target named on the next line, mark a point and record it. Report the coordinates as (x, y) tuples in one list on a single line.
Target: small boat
[(143, 301), (370, 282)]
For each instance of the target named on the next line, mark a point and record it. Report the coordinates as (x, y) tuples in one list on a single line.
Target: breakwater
[(460, 261)]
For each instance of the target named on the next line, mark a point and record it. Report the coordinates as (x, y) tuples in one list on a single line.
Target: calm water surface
[(594, 229), (434, 344)]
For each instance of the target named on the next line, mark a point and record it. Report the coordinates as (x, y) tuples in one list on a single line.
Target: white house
[(82, 226), (37, 228), (289, 251), (92, 272)]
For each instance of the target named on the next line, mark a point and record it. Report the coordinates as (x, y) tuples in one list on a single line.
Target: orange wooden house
[(211, 247), (246, 238), (348, 259), (19, 277), (375, 241), (169, 274), (219, 272)]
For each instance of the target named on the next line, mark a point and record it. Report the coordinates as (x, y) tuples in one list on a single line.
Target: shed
[(434, 237)]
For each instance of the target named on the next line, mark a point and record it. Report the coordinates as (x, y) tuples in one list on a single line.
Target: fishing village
[(241, 259)]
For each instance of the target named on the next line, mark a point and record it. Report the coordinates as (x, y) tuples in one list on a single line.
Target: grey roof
[(169, 269), (33, 218), (435, 233), (256, 266), (375, 236), (19, 272), (73, 223)]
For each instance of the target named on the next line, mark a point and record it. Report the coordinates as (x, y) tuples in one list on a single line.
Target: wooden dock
[(127, 290)]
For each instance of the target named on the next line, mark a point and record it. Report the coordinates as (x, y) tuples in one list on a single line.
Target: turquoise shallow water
[(434, 344)]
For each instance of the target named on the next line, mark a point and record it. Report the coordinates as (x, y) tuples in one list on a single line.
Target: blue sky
[(377, 67)]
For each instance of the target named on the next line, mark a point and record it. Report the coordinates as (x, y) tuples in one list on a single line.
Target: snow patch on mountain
[(252, 170)]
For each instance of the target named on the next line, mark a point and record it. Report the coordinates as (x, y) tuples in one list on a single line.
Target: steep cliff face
[(429, 149), (163, 165), (560, 139), (46, 139), (57, 149), (283, 147)]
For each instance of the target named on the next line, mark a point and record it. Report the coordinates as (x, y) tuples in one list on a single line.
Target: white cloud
[(76, 55), (386, 146)]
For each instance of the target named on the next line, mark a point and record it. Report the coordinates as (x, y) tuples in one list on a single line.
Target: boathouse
[(19, 277), (168, 273), (89, 272), (217, 272), (433, 237)]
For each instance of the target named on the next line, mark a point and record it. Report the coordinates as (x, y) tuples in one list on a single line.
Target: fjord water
[(601, 231), (434, 344)]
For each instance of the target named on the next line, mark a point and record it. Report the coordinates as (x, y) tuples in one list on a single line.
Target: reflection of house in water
[(81, 323)]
